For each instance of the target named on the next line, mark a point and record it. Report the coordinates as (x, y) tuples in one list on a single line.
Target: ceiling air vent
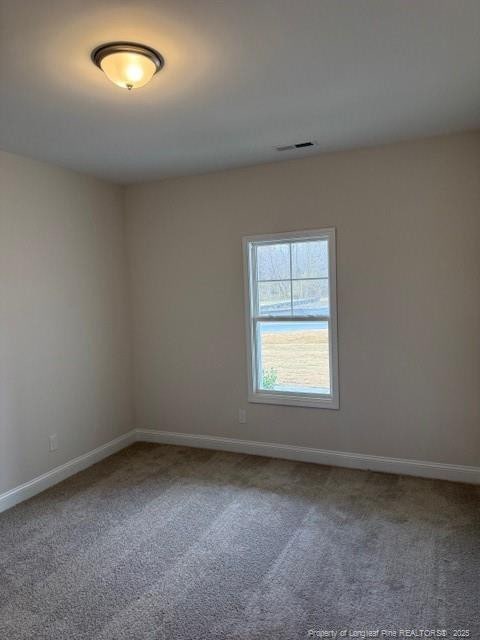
[(298, 145)]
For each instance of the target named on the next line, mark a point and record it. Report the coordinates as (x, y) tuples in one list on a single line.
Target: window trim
[(296, 399)]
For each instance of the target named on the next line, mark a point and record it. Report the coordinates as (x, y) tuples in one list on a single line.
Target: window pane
[(274, 298), (273, 262), (310, 259), (294, 357), (310, 297)]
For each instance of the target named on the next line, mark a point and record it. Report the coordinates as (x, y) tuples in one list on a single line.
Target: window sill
[(292, 400)]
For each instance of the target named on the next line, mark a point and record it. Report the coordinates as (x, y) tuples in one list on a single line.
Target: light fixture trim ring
[(100, 52)]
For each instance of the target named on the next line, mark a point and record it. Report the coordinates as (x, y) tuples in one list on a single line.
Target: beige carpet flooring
[(171, 543)]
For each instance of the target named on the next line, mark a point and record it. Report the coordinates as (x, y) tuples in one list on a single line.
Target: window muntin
[(291, 318)]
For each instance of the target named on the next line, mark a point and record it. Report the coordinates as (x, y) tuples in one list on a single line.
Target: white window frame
[(255, 394)]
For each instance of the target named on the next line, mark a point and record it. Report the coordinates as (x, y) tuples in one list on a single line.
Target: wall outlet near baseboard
[(53, 442), (242, 416)]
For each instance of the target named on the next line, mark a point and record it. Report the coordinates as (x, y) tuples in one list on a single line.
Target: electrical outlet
[(53, 442), (242, 416)]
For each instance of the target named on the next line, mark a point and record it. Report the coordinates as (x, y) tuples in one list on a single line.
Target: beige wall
[(408, 243), (408, 238), (64, 328)]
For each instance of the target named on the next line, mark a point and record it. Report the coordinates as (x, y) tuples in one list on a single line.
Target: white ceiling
[(241, 77)]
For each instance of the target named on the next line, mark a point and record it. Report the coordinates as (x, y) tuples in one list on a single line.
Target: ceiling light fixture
[(127, 64)]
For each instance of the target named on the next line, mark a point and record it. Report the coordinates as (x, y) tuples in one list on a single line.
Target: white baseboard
[(441, 471), (48, 479)]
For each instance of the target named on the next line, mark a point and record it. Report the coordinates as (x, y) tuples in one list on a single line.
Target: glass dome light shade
[(128, 70)]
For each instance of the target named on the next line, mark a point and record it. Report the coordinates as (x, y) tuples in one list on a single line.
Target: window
[(292, 318)]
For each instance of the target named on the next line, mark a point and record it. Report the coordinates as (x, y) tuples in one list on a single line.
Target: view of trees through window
[(292, 316)]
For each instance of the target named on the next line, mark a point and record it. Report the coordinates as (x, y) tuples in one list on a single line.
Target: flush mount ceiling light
[(127, 64)]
